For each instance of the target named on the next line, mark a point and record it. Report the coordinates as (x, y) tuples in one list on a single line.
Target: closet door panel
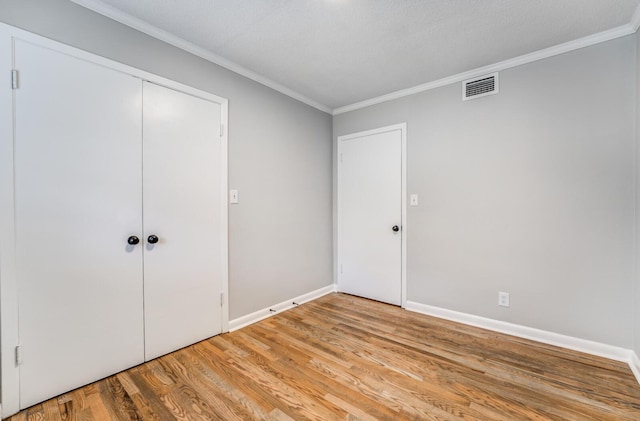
[(78, 198), (182, 207)]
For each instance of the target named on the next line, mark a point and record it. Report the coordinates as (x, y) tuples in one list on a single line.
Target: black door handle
[(133, 240), (395, 228), (152, 239)]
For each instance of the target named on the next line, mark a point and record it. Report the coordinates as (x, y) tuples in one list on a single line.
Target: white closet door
[(182, 208), (78, 199)]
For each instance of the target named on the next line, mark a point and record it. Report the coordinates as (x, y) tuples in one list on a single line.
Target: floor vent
[(479, 87)]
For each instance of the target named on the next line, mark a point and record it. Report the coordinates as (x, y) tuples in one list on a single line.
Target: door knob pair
[(133, 240)]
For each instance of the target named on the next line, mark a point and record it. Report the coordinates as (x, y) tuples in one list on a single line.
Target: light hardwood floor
[(342, 357)]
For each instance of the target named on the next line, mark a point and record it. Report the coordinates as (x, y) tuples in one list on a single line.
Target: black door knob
[(133, 240), (395, 228), (152, 239)]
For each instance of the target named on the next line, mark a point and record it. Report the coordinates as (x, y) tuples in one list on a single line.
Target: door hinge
[(221, 299), (18, 355), (221, 130), (14, 79)]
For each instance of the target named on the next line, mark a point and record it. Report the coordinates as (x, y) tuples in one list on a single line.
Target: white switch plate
[(503, 299), (233, 196), (413, 201)]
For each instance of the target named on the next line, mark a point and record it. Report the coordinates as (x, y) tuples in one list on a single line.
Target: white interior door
[(370, 215), (183, 199), (78, 198)]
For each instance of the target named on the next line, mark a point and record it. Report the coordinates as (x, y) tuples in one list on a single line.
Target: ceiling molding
[(503, 65), (155, 32), (635, 19)]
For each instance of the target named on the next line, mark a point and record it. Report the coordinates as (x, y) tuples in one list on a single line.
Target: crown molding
[(155, 32), (635, 19), (503, 65), (135, 23)]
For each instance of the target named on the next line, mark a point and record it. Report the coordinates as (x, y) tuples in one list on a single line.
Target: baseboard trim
[(634, 365), (256, 316), (538, 335)]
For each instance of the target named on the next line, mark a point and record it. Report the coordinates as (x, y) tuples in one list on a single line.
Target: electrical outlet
[(503, 299)]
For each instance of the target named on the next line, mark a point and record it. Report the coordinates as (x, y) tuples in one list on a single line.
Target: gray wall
[(279, 155), (530, 191)]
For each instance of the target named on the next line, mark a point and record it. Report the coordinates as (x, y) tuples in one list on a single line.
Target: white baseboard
[(254, 317), (551, 338), (634, 365)]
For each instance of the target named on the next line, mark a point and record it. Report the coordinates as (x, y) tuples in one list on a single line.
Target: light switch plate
[(413, 200), (233, 196)]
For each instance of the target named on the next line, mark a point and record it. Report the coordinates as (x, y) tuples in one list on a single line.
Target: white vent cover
[(480, 86)]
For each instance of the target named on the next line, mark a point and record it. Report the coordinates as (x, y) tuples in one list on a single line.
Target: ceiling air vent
[(479, 87)]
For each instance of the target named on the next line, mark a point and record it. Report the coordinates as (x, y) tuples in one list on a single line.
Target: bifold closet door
[(78, 198), (182, 219)]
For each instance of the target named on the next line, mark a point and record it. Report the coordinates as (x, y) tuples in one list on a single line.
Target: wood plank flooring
[(342, 357)]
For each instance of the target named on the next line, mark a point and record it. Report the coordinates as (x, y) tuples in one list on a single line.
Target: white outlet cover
[(503, 299)]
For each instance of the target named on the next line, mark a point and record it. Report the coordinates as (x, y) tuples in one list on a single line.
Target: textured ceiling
[(339, 52)]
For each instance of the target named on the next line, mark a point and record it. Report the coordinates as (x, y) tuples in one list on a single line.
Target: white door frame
[(403, 130), (9, 334)]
